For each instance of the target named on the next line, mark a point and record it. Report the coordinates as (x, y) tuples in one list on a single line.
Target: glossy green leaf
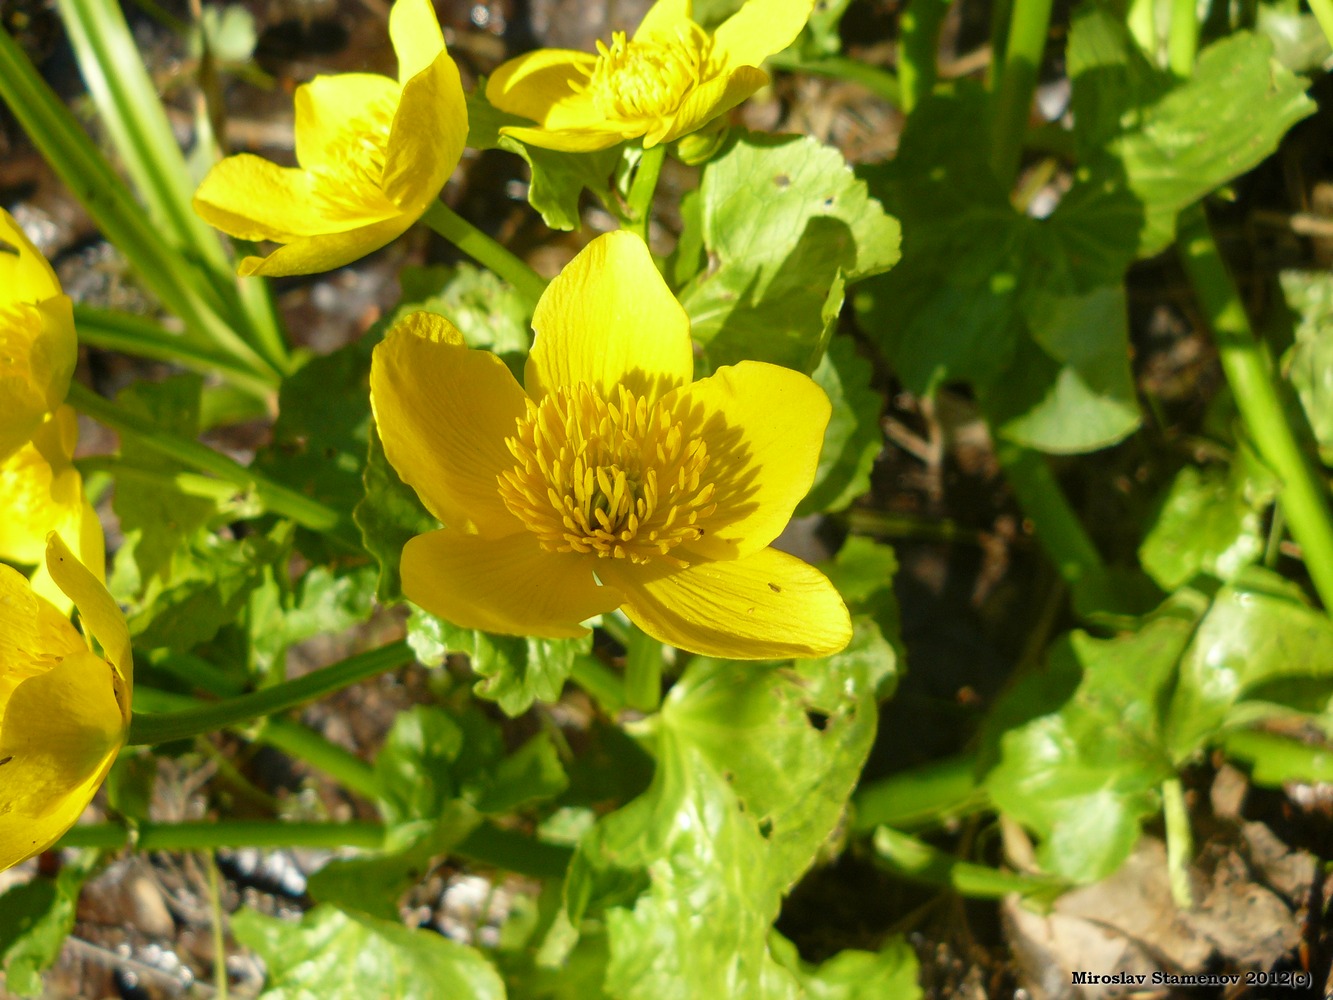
[(1211, 521), (487, 311), (887, 974), (783, 218), (344, 956), (515, 671), (1081, 746), (853, 438), (35, 918), (388, 516), (1276, 760), (1309, 362)]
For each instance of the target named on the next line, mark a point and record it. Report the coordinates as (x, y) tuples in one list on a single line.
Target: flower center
[(623, 480), (649, 78), (351, 168)]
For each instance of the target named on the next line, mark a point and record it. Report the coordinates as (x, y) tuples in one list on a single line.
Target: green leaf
[(887, 974), (413, 771), (1298, 42), (35, 919), (754, 767), (1275, 760), (487, 311), (1251, 643), (322, 602), (1210, 521), (336, 955), (863, 572), (1309, 362), (532, 773), (515, 670), (1082, 748), (853, 438), (1069, 389), (783, 219), (389, 515), (1175, 144), (156, 518)]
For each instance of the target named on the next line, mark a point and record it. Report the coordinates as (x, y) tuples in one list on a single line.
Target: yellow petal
[(38, 351), (764, 427), (327, 104), (508, 585), (663, 18), (252, 199), (589, 139), (60, 733), (315, 254), (428, 135), (98, 611), (443, 414), (707, 101), (767, 606), (758, 30), (25, 275), (41, 491), (532, 84), (608, 318), (34, 636), (416, 36)]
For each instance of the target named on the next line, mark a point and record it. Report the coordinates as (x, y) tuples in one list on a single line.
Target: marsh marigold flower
[(613, 481), (373, 154), (669, 80), (64, 708), (37, 343)]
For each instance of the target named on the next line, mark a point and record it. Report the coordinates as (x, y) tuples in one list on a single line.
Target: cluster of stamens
[(622, 480), (648, 78), (351, 169)]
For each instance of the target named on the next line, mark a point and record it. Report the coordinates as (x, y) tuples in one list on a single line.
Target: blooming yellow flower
[(37, 343), (41, 492), (613, 481), (670, 79), (373, 154), (64, 709)]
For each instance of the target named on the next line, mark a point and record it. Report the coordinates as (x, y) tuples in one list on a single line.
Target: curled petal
[(417, 39), (443, 414), (608, 319), (766, 606), (532, 84), (664, 18), (707, 101), (314, 254), (427, 137), (758, 30), (101, 616), (509, 585)]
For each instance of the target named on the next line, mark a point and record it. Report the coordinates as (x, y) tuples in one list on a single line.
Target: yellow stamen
[(648, 78), (623, 480)]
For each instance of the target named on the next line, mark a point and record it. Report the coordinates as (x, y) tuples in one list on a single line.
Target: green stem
[(643, 672), (1058, 528), (605, 687), (1028, 27), (118, 331), (1142, 23), (1183, 41), (1179, 842), (923, 796), (207, 718), (1323, 12), (879, 82), (276, 498), (211, 834), (305, 744), (1249, 372), (642, 190), (920, 862), (486, 251), (189, 483), (918, 49)]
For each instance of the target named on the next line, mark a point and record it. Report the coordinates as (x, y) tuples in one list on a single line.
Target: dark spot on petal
[(6, 760), (775, 588)]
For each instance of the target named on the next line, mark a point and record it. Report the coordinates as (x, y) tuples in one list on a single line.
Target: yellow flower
[(613, 481), (37, 343), (41, 492), (64, 709), (373, 154), (670, 79)]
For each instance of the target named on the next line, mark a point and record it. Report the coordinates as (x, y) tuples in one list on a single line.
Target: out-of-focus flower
[(64, 708), (669, 80), (373, 154), (613, 481), (41, 492), (37, 343)]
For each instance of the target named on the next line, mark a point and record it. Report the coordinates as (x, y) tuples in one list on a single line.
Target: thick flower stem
[(487, 845), (1249, 372), (918, 47), (643, 188), (169, 726), (1179, 842), (643, 672), (276, 498), (1017, 80), (484, 250)]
